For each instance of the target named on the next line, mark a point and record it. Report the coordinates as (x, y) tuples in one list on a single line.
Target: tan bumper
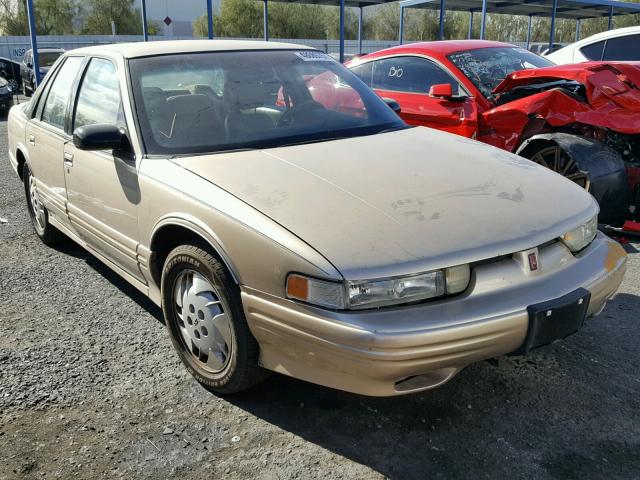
[(395, 351)]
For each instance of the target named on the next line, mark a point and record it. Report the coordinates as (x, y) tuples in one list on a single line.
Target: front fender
[(606, 169)]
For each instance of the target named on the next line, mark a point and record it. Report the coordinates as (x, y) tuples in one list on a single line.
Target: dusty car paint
[(386, 204)]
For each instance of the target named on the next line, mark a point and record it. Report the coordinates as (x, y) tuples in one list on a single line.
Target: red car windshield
[(487, 67)]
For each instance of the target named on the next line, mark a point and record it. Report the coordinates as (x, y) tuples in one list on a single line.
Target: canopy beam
[(34, 41), (209, 20), (145, 31)]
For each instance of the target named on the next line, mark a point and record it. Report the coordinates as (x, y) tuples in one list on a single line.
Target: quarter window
[(99, 99), (593, 51), (55, 107), (363, 72), (409, 74)]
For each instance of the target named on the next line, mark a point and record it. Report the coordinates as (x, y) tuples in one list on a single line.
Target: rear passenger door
[(102, 186), (46, 137)]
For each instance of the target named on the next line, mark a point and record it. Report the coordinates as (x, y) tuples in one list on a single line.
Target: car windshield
[(221, 101), (487, 67), (46, 59)]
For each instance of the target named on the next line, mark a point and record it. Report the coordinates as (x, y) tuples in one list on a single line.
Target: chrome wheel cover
[(204, 324), (37, 208)]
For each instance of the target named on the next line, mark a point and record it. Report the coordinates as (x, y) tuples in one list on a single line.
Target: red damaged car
[(582, 120)]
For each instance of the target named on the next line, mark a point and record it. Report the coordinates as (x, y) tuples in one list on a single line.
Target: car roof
[(618, 32), (143, 49), (443, 47)]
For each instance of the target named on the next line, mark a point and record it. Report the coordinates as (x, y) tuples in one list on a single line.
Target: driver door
[(408, 79), (102, 187)]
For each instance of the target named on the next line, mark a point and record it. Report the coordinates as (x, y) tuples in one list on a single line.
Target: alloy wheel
[(556, 159)]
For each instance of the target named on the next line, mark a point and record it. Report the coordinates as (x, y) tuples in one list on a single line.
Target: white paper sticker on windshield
[(314, 56)]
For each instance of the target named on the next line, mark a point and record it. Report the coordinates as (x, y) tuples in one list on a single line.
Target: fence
[(15, 47)]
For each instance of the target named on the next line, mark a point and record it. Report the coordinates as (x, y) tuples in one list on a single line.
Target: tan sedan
[(317, 237)]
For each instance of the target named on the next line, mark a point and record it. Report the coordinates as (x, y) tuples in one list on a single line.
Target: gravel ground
[(90, 388)]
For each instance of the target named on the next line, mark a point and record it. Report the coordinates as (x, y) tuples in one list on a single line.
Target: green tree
[(238, 18), (53, 17), (100, 13)]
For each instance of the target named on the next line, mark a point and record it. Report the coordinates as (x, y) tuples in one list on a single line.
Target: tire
[(39, 214), (589, 163), (206, 323)]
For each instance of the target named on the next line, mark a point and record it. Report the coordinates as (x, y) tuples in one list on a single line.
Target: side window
[(363, 72), (409, 74), (99, 99), (593, 51), (623, 48), (55, 107)]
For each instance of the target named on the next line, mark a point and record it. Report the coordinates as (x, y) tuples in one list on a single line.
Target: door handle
[(68, 159), (32, 139)]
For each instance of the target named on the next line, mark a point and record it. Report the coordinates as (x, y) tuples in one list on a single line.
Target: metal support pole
[(145, 32), (483, 22), (360, 23), (470, 32), (552, 32), (34, 41), (442, 12), (209, 19), (529, 31), (341, 31), (610, 18), (265, 20), (577, 29), (401, 33)]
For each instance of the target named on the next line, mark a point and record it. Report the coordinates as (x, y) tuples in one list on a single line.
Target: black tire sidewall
[(26, 172), (196, 259)]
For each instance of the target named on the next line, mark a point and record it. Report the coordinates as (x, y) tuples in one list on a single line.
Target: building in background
[(175, 18)]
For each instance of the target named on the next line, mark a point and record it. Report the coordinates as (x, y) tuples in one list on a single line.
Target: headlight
[(380, 292), (580, 237)]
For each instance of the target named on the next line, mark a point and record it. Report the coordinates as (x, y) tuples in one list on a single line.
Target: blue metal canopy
[(571, 9), (360, 4)]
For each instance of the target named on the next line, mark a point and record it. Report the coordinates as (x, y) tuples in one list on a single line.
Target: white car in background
[(622, 44)]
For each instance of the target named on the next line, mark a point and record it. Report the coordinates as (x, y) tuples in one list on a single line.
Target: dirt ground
[(90, 388)]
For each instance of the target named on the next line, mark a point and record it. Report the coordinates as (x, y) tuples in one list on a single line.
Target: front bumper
[(394, 351)]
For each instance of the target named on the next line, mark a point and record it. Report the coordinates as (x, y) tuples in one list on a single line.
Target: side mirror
[(29, 65), (100, 137), (392, 104), (441, 90)]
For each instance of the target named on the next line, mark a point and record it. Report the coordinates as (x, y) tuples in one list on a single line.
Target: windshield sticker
[(314, 56)]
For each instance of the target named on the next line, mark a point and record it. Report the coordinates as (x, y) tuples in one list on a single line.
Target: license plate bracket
[(555, 319)]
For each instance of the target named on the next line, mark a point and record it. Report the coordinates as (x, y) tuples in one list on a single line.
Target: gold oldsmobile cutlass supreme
[(325, 240)]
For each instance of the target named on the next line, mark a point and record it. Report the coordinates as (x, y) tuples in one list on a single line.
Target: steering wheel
[(304, 107)]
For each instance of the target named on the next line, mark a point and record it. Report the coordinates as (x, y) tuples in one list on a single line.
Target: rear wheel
[(203, 312), (37, 211), (555, 158)]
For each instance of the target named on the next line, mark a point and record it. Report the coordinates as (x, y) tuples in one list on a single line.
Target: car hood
[(401, 202), (611, 91)]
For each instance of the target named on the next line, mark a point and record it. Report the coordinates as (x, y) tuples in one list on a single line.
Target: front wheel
[(203, 313), (38, 212)]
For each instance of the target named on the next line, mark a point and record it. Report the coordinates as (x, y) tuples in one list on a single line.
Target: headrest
[(151, 91), (182, 104), (247, 93)]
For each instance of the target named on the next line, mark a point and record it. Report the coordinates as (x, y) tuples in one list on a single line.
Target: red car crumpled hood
[(612, 89)]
